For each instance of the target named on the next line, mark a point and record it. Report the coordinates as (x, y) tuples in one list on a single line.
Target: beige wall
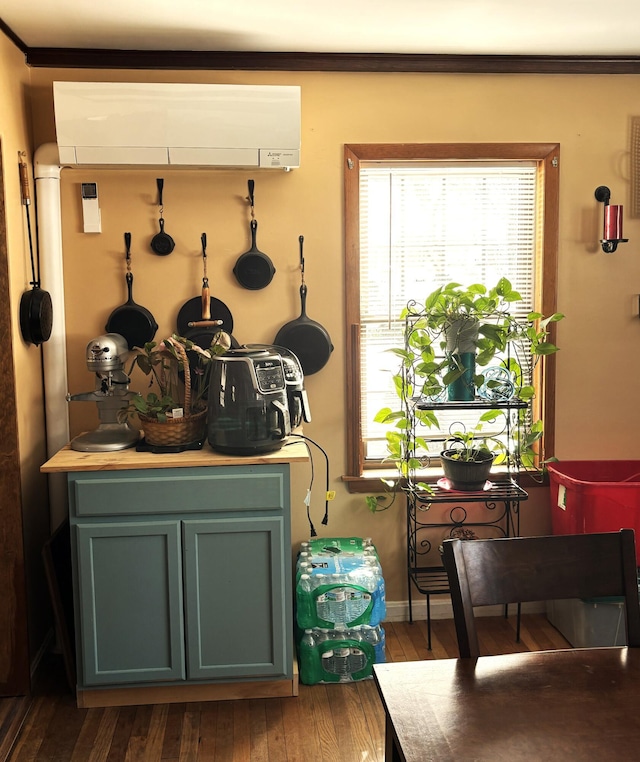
[(589, 116), (15, 135)]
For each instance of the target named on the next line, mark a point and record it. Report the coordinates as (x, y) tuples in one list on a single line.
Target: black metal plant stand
[(499, 507), (444, 513)]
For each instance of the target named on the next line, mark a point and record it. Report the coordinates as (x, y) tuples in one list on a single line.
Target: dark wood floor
[(325, 723)]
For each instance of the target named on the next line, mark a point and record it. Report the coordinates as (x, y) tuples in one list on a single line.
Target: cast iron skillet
[(131, 320), (201, 329), (254, 270), (36, 315), (194, 310), (162, 243), (36, 310), (308, 340)]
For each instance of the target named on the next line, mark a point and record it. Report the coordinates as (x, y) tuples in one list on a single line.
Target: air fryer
[(294, 379), (248, 407)]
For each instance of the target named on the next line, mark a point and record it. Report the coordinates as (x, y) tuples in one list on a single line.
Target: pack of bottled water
[(339, 584), (340, 656), (340, 604)]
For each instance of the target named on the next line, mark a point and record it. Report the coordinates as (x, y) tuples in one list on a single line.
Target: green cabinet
[(130, 601), (233, 588), (182, 575)]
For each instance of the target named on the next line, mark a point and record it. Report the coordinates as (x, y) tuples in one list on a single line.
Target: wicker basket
[(189, 429), (174, 431)]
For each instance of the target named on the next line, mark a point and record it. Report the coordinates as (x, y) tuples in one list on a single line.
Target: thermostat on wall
[(90, 208)]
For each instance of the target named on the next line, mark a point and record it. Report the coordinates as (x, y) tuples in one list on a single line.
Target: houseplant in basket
[(495, 362), (175, 414)]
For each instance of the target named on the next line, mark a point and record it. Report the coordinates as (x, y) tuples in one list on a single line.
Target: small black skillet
[(253, 270), (162, 243)]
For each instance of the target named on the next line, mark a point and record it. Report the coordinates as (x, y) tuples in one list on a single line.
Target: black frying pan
[(36, 315), (36, 309), (253, 270), (161, 243), (197, 311), (135, 323), (308, 340)]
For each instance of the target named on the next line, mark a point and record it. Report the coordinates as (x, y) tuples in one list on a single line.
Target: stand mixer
[(105, 356)]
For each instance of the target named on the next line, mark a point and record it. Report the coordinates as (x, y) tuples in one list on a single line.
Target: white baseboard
[(398, 611)]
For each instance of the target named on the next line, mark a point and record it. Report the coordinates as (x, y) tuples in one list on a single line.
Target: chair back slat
[(524, 569)]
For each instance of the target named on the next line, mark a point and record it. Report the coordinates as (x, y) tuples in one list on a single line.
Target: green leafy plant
[(469, 444), (178, 380), (429, 364), (456, 306)]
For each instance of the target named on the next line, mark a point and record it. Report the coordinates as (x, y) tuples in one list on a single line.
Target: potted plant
[(176, 413), (468, 456), (507, 348), (459, 328)]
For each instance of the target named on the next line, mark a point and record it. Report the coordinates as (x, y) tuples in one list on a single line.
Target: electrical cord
[(307, 499), (325, 520)]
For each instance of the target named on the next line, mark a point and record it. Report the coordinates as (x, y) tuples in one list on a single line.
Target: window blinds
[(426, 224)]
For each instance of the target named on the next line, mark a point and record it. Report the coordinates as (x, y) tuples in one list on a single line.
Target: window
[(419, 216)]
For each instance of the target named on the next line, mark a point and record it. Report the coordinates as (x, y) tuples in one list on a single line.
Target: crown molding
[(81, 58)]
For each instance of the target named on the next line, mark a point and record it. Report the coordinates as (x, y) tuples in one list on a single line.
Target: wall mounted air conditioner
[(184, 125)]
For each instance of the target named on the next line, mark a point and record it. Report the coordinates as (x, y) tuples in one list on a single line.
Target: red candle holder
[(612, 232)]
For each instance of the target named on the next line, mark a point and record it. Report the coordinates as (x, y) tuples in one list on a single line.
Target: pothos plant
[(507, 349)]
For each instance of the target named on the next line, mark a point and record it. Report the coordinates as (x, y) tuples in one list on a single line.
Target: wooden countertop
[(66, 459)]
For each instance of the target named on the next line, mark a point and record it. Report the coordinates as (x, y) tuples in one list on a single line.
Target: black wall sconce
[(612, 234)]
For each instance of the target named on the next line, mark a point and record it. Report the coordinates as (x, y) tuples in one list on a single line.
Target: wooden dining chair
[(522, 569)]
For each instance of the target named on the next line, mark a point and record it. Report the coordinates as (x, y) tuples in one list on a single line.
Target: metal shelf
[(499, 490), (501, 517), (496, 512), (479, 404), (430, 579)]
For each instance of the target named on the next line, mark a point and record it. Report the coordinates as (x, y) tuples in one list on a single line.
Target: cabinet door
[(238, 600), (130, 591)]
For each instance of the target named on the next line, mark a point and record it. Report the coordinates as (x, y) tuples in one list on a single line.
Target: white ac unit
[(184, 125)]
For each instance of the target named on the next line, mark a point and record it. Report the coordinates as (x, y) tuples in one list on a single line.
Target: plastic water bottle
[(376, 638), (341, 662), (307, 651), (356, 603), (327, 664), (303, 557), (379, 610), (380, 650), (375, 584), (302, 568), (336, 607), (357, 657), (305, 613), (357, 660), (364, 580), (321, 605)]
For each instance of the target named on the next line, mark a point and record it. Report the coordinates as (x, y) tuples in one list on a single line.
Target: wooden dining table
[(574, 705)]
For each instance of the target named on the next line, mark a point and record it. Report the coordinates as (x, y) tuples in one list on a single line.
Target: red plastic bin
[(595, 496)]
